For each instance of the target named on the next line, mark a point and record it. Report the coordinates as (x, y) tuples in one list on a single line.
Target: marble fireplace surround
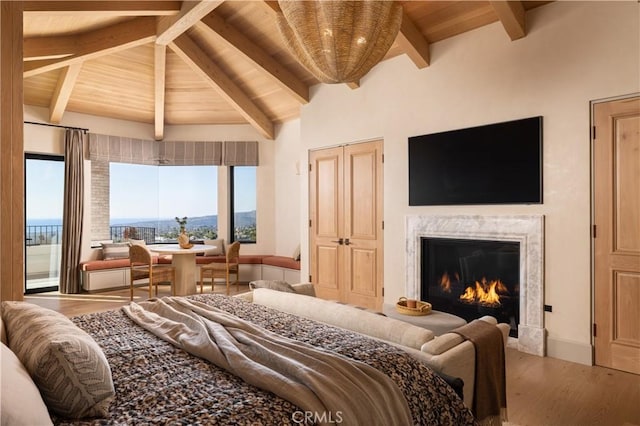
[(528, 230)]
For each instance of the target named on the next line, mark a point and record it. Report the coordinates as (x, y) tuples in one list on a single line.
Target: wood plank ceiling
[(202, 62)]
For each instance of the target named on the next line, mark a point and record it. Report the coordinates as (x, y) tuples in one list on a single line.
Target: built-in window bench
[(97, 275)]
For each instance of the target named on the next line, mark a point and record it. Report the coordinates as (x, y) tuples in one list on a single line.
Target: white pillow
[(137, 242), (21, 403), (219, 244)]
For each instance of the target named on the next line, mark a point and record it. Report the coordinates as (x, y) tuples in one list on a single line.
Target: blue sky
[(44, 195), (139, 191)]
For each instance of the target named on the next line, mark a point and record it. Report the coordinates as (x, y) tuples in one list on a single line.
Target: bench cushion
[(282, 262), (255, 259), (344, 316), (96, 265)]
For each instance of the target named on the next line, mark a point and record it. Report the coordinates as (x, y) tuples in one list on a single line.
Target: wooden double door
[(346, 225), (616, 150)]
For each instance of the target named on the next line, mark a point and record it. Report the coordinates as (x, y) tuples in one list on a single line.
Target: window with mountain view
[(145, 200), (242, 184)]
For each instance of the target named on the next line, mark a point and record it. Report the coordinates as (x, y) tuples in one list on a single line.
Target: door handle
[(347, 242), (339, 241)]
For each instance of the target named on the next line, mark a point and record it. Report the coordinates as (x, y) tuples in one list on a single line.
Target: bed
[(156, 382)]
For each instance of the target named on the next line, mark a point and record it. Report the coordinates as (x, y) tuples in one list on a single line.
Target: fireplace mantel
[(528, 230)]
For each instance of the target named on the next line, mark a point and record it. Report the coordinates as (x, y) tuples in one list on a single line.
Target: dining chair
[(142, 267), (231, 266)]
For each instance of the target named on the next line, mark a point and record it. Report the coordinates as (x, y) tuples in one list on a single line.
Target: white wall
[(574, 52), (50, 140), (290, 170)]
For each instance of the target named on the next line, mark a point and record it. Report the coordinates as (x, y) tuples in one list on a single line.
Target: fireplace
[(527, 231), (472, 278)]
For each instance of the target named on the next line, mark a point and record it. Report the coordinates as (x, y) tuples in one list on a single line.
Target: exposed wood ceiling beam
[(160, 62), (512, 16), (413, 43), (98, 43), (103, 8), (60, 98), (273, 5), (169, 28), (49, 47), (202, 64), (234, 38)]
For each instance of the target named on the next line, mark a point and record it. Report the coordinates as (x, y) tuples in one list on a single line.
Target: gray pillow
[(112, 251), (272, 285), (67, 365)]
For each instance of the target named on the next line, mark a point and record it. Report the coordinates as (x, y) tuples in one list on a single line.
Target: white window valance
[(172, 153)]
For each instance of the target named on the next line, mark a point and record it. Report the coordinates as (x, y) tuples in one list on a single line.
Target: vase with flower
[(183, 238)]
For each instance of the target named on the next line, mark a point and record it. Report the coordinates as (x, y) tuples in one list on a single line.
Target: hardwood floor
[(540, 391)]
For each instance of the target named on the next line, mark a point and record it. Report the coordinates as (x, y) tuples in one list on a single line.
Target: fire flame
[(445, 281), (484, 293)]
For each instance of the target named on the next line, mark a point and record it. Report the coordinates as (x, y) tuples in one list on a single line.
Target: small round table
[(184, 260)]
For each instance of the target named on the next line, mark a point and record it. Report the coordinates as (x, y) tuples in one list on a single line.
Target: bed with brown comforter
[(157, 382)]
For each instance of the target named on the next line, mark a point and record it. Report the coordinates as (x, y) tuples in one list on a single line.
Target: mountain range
[(242, 219)]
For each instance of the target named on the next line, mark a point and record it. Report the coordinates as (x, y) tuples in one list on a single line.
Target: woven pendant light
[(339, 41)]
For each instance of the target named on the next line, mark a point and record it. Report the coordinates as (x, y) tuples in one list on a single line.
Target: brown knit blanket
[(490, 394), (315, 380)]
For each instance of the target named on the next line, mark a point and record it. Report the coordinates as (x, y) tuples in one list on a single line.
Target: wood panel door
[(327, 221), (617, 234), (346, 210)]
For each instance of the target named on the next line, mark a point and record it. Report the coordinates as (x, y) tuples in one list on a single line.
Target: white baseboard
[(580, 353)]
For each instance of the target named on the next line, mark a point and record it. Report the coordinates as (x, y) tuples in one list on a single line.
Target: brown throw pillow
[(67, 365)]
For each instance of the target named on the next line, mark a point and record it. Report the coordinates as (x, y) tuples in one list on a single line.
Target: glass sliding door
[(44, 195)]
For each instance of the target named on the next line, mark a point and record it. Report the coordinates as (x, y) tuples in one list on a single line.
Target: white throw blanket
[(327, 385)]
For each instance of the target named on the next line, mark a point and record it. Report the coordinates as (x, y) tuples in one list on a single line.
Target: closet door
[(346, 207), (363, 207), (326, 221)]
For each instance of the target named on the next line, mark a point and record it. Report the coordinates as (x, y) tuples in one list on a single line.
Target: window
[(144, 201), (44, 197), (242, 187)]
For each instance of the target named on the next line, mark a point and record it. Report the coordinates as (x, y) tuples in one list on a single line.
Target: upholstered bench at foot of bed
[(449, 353)]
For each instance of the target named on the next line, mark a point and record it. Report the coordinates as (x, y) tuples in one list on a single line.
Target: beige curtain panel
[(73, 210)]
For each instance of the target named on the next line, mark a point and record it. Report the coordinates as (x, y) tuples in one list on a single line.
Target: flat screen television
[(497, 163)]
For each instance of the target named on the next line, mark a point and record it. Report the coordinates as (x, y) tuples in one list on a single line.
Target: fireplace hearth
[(472, 278), (525, 230)]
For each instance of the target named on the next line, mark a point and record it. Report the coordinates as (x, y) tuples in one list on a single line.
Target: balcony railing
[(123, 233), (36, 235)]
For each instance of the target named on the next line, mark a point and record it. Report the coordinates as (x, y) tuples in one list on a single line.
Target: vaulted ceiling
[(203, 62)]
